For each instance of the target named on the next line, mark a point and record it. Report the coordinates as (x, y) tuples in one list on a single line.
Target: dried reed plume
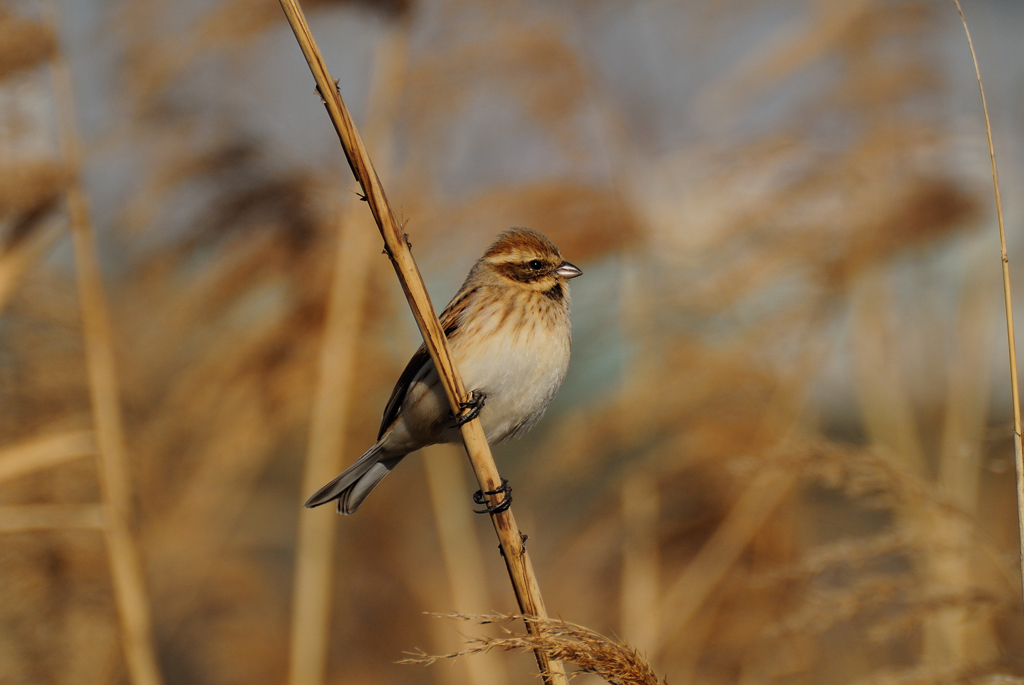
[(588, 651)]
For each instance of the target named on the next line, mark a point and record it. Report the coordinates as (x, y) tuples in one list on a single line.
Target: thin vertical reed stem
[(125, 566), (887, 407), (1018, 451), (956, 635), (314, 563), (640, 562), (460, 548), (314, 555), (517, 561)]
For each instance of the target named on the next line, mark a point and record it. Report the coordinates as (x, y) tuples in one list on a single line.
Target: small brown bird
[(509, 332)]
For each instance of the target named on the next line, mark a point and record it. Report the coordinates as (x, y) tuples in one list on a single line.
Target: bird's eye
[(536, 264)]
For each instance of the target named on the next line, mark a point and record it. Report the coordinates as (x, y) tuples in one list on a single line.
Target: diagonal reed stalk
[(43, 453), (122, 552), (18, 260), (1018, 452), (689, 591), (20, 518), (520, 569)]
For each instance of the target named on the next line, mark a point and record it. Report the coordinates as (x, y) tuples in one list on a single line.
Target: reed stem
[(517, 561), (314, 567), (1018, 451), (122, 551), (463, 558)]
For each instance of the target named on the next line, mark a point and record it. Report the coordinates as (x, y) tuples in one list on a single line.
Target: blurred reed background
[(783, 453)]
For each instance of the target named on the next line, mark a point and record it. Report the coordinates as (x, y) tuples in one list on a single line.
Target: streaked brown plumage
[(509, 332)]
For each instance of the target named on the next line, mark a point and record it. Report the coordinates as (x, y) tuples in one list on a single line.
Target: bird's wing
[(394, 405), (451, 318)]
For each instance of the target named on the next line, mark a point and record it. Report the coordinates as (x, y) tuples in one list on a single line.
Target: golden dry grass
[(590, 652), (783, 438)]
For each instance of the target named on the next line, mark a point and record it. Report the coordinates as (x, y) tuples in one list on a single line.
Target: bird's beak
[(567, 271)]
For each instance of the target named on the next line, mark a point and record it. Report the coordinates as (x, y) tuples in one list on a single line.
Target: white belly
[(519, 375)]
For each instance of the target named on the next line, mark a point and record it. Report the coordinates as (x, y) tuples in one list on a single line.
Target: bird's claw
[(470, 409), (337, 87), (480, 497)]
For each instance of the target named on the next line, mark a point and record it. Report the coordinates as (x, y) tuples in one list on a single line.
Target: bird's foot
[(337, 87), (480, 497), (470, 409)]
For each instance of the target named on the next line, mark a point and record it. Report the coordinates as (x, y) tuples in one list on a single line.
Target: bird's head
[(526, 258)]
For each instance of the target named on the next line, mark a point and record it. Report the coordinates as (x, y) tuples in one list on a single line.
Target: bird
[(509, 331)]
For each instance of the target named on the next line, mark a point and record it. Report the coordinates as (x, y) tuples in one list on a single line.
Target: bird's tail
[(356, 482)]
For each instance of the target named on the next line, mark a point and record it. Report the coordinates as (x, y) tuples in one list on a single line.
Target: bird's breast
[(518, 359)]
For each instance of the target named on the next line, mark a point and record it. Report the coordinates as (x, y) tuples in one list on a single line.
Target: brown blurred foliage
[(781, 455)]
